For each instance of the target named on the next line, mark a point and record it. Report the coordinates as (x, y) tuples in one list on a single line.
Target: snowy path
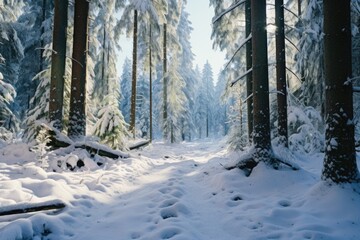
[(172, 201), (177, 191)]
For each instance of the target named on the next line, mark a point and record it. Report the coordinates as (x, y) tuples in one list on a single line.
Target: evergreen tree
[(7, 117), (173, 83), (261, 137), (143, 13), (224, 33), (355, 14), (39, 111), (310, 60), (281, 73), (200, 101), (77, 117), (58, 62), (221, 120), (125, 86), (142, 106), (208, 88), (186, 71), (110, 126), (340, 159), (249, 85), (34, 30)]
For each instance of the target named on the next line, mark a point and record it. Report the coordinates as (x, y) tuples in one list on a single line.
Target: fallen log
[(104, 151), (31, 207), (59, 140), (139, 144)]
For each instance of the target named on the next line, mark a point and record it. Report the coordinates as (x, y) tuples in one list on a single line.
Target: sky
[(200, 16)]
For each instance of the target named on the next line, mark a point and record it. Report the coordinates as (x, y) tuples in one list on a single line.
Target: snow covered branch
[(350, 80), (242, 43), (356, 89), (240, 77), (232, 7)]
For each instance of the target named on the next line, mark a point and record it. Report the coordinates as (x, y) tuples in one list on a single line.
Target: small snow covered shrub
[(5, 135), (41, 147), (306, 130), (111, 127), (237, 137)]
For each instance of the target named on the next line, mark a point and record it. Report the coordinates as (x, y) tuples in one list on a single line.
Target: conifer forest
[(164, 147)]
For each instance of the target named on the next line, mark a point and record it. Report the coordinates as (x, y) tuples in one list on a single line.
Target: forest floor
[(178, 191)]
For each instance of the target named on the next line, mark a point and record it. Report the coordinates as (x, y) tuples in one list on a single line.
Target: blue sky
[(200, 16)]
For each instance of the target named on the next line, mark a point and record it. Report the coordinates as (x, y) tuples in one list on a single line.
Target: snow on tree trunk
[(261, 135), (165, 113), (77, 118), (340, 159), (134, 66), (281, 72), (249, 83), (150, 84)]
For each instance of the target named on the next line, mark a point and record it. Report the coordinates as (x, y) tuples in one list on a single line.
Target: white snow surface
[(178, 191)]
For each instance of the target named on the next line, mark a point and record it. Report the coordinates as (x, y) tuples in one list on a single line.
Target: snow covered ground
[(176, 191)]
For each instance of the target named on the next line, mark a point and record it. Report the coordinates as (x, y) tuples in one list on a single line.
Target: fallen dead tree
[(139, 144), (22, 208), (58, 140)]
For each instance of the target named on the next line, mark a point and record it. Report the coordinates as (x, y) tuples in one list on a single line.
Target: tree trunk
[(165, 127), (340, 159), (281, 73), (261, 135), (103, 78), (134, 70), (207, 122), (249, 83), (42, 44), (150, 80), (77, 117), (58, 63)]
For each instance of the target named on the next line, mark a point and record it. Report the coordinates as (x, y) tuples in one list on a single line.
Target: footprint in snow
[(169, 233), (235, 201)]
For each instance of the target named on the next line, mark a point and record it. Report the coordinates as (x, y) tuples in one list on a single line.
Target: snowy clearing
[(178, 191)]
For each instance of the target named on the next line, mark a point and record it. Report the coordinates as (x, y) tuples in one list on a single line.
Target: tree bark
[(133, 81), (340, 159), (249, 83), (58, 63), (42, 44), (281, 73), (165, 115), (77, 118), (261, 135), (104, 63)]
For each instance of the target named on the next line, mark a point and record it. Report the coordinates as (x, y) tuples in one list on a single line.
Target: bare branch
[(288, 10), (294, 73), (293, 44)]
